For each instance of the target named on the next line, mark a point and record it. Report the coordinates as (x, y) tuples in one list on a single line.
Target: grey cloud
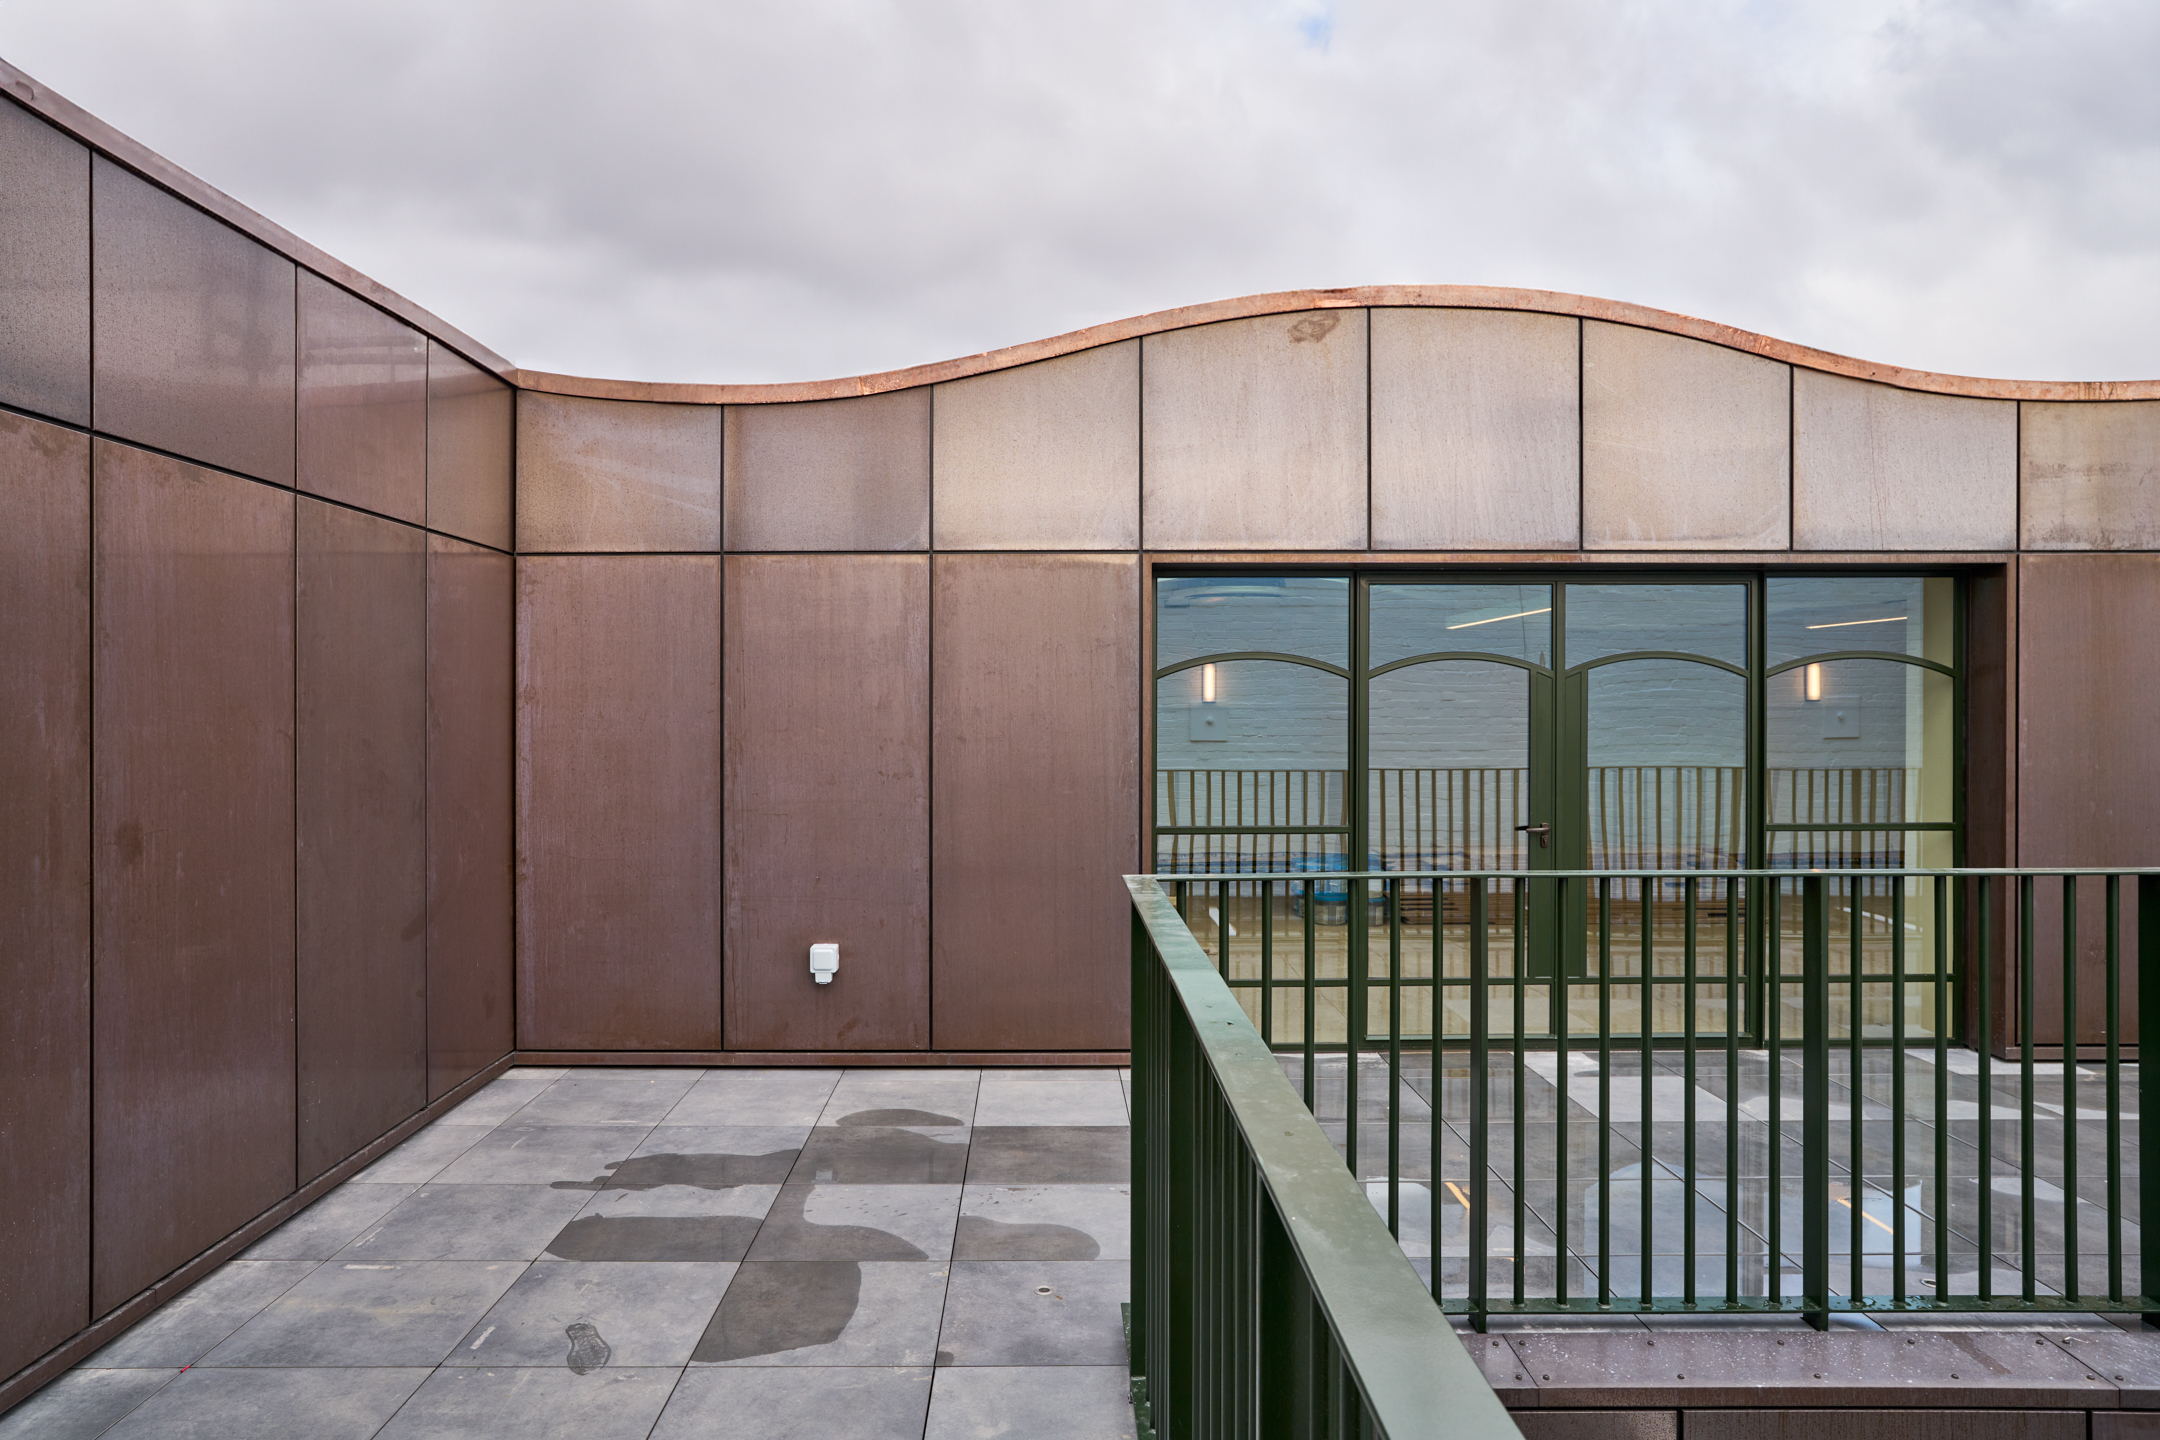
[(683, 191)]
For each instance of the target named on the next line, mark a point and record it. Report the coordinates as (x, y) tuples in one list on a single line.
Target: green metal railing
[(1268, 1298), (1757, 1051)]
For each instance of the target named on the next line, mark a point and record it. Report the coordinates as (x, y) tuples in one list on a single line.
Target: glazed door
[(1656, 730), (1461, 772), (1555, 726)]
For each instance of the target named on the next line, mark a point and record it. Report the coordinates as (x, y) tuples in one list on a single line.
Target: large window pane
[(1668, 766), (1287, 614), (1449, 777), (1270, 750), (1510, 620), (1616, 619), (1898, 614), (1860, 742)]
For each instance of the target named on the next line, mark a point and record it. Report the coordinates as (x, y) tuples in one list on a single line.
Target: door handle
[(1543, 833)]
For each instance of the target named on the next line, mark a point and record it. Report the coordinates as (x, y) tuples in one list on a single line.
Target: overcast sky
[(789, 191)]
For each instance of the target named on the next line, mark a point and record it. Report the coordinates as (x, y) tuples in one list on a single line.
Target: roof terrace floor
[(636, 1253)]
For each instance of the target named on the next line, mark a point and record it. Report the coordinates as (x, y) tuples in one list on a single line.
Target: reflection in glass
[(1615, 619), (1450, 766), (1668, 766), (1287, 614), (1448, 781), (1511, 620), (1860, 742), (1865, 915), (1269, 753), (1897, 614)]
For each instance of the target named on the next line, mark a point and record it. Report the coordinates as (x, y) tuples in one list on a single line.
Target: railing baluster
[(1604, 1084), (1357, 1019), (1815, 1100), (1267, 963), (1560, 1026), (2071, 1288), (1897, 1092), (1985, 1045), (2027, 1015), (1311, 905), (1856, 1173), (1647, 1027), (1480, 1108), (1391, 890), (2114, 1088), (2148, 968), (1733, 1011), (1688, 895), (1945, 1003), (1774, 1021), (1520, 898)]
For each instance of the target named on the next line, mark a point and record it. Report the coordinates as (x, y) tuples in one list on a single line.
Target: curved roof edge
[(1465, 297), (87, 128)]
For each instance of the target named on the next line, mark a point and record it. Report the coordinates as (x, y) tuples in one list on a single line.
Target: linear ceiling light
[(1841, 624), (1492, 619)]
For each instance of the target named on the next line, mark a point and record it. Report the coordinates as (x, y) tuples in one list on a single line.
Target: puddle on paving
[(980, 1238), (706, 1172), (779, 1306), (898, 1117)]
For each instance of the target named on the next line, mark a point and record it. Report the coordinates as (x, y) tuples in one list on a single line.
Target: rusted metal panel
[(470, 448), (44, 886), (618, 774), (193, 331), (828, 796), (193, 848), (601, 475), (1037, 739), (360, 612), (2088, 792), (470, 851), (44, 268), (830, 474), (363, 404)]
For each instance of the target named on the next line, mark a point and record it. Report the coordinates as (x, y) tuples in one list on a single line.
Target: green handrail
[(1268, 1297), (1783, 1015)]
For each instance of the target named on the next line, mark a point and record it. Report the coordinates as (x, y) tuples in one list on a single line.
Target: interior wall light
[(1207, 684), (1814, 682)]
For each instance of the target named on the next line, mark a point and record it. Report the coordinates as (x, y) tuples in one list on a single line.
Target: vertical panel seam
[(1792, 459), (1582, 478), (90, 752), (720, 743), (427, 823), (931, 570), (2017, 479), (293, 639)]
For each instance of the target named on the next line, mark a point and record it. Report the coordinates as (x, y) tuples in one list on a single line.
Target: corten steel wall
[(255, 729), (1044, 486), (928, 681)]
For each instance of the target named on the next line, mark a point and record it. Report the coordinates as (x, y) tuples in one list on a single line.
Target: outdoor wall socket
[(824, 963)]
